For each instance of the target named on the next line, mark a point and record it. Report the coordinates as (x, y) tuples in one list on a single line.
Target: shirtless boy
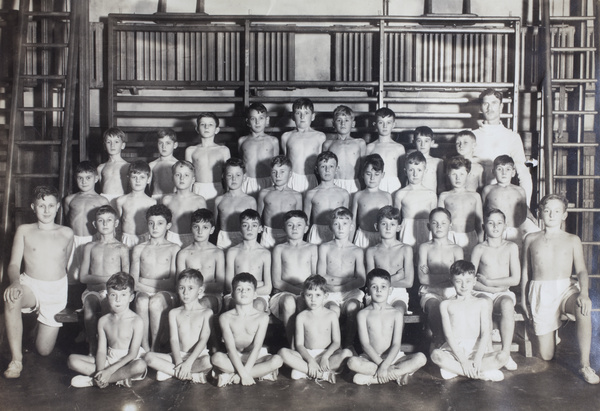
[(257, 149), (433, 177), (154, 271), (182, 203), (101, 259), (435, 258), (415, 201), (206, 258), (392, 256), (229, 205), (208, 158), (549, 257), (132, 207), (498, 267), (249, 256), (392, 153), (79, 209), (464, 206), (302, 145), (43, 248), (321, 200), (380, 331), (189, 327), (349, 151), (317, 353), (275, 201), (114, 173), (119, 338), (244, 329), (465, 147), (162, 167), (466, 320), (292, 262), (366, 203)]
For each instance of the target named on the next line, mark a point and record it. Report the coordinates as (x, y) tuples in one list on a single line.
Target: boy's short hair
[(375, 161), (377, 273), (440, 210), (341, 212), (250, 214), (424, 131), (234, 162), (40, 192), (139, 167), (258, 107), (203, 215), (466, 133), (86, 167), (121, 281), (490, 92), (315, 282), (281, 160), (207, 114), (192, 274), (243, 278), (325, 156), (303, 103), (114, 132), (183, 163), (548, 197), (106, 209), (460, 267), (456, 162), (295, 213), (159, 210), (342, 111), (389, 212), (503, 160), (488, 212), (416, 157), (384, 112), (166, 132)]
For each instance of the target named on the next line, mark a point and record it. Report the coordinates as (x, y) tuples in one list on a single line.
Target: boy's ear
[(260, 228), (169, 225), (131, 296), (217, 130), (212, 229), (175, 144), (376, 225), (306, 229), (96, 178), (94, 224), (312, 117), (32, 205), (123, 145)]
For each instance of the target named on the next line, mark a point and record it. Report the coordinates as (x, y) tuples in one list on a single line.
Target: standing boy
[(465, 146), (114, 173), (162, 167), (433, 177)]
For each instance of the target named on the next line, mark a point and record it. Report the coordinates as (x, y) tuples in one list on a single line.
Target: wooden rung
[(46, 45), (49, 14), (41, 109)]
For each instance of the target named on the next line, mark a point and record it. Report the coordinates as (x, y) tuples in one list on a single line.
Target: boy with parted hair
[(43, 249), (317, 353), (101, 259), (466, 321), (433, 177), (319, 201), (302, 145), (244, 329), (380, 331), (162, 167), (465, 147), (392, 153), (132, 207), (114, 173), (230, 205), (349, 151), (118, 359), (257, 149), (189, 326), (182, 203), (367, 202), (79, 209)]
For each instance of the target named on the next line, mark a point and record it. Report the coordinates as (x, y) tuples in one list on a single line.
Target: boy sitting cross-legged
[(318, 354), (380, 331), (466, 321), (244, 329), (118, 359), (189, 327)]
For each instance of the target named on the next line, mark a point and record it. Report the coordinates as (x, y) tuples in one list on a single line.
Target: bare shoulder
[(65, 231)]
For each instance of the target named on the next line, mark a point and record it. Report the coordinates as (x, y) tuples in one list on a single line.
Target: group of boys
[(319, 236)]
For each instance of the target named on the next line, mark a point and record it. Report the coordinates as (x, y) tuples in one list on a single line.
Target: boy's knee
[(502, 357), (156, 304), (437, 356), (351, 307), (507, 306), (421, 359), (71, 362), (277, 361), (288, 304), (334, 307), (44, 349), (353, 362), (260, 304), (218, 358), (142, 300)]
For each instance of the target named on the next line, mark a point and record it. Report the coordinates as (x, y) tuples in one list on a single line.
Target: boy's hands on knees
[(324, 363), (585, 304), (313, 368), (183, 371), (383, 373), (102, 377), (13, 292)]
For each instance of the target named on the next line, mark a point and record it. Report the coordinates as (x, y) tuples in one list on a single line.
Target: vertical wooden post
[(548, 132)]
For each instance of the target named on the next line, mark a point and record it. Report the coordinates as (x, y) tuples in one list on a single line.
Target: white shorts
[(400, 355), (131, 240), (272, 236), (397, 294), (350, 185), (390, 183), (342, 297), (253, 185), (302, 182), (316, 353), (468, 346), (50, 298), (261, 354), (226, 239), (101, 295), (496, 296), (319, 234), (366, 239), (548, 301), (182, 240), (274, 303), (414, 232), (209, 191), (467, 241), (185, 355), (427, 293), (113, 355), (74, 264)]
